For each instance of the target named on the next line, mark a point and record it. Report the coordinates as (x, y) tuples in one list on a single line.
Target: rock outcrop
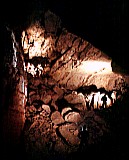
[(62, 83)]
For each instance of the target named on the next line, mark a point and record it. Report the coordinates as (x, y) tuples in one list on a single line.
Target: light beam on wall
[(92, 66)]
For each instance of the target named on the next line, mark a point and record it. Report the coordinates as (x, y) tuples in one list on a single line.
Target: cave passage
[(61, 97)]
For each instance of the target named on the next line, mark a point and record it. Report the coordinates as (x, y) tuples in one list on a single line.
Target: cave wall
[(14, 94), (72, 60), (66, 53)]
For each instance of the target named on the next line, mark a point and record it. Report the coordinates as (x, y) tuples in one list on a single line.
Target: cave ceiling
[(102, 23), (73, 40), (72, 60)]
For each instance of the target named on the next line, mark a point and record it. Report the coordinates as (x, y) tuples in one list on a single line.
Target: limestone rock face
[(14, 94), (64, 90), (70, 60)]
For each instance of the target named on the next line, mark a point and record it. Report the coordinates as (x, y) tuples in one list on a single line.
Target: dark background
[(103, 22)]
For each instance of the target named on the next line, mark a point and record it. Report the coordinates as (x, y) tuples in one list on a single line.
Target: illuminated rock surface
[(54, 98)]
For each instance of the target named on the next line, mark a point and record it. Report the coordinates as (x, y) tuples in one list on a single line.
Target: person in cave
[(104, 99), (83, 136), (87, 103), (92, 102)]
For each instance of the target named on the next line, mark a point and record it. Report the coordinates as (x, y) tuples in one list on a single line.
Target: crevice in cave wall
[(56, 83)]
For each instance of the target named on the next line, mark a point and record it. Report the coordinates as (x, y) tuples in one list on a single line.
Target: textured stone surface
[(59, 101)]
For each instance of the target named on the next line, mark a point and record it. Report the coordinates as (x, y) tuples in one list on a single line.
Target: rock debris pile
[(55, 116)]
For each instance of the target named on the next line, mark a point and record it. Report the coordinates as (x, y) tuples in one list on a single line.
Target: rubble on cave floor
[(74, 99), (55, 116)]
